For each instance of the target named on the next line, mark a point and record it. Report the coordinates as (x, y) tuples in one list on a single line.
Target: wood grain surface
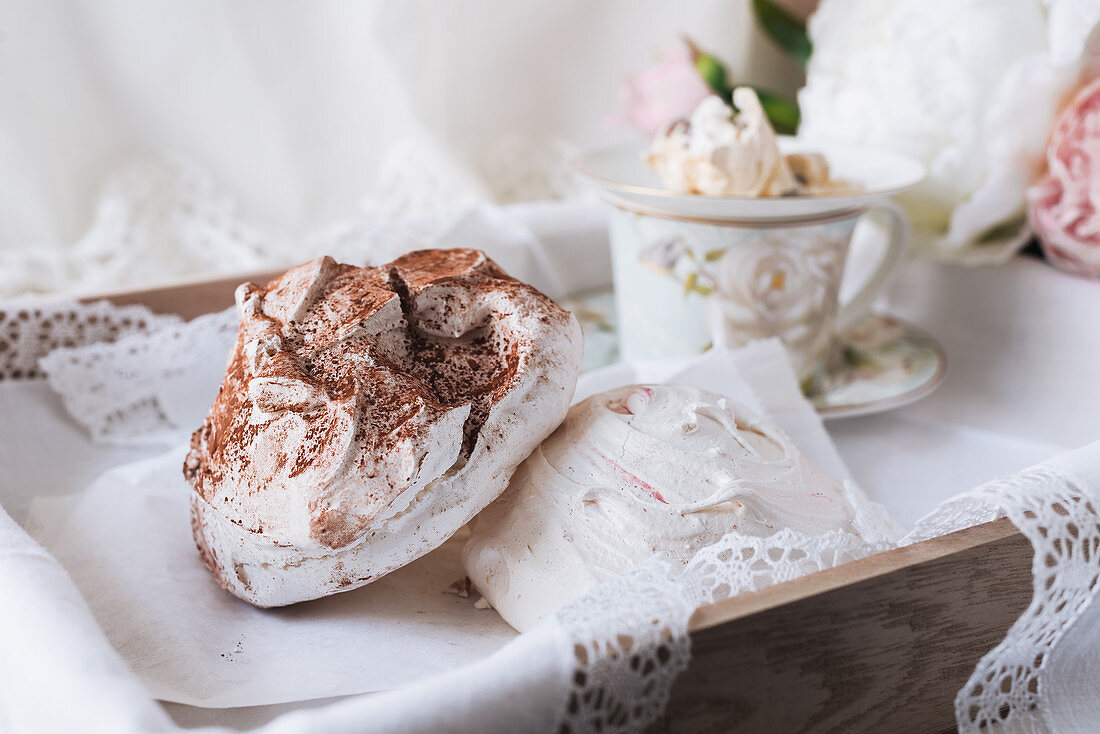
[(880, 645), (187, 299)]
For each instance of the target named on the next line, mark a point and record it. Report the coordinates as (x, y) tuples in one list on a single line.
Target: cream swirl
[(717, 152), (635, 472)]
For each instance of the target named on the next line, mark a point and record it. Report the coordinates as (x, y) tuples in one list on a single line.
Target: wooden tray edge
[(880, 564), (186, 299)]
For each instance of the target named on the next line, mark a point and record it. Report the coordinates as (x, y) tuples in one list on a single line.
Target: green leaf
[(1007, 229), (710, 69), (856, 359), (689, 282), (712, 255), (787, 31), (714, 74), (782, 112)]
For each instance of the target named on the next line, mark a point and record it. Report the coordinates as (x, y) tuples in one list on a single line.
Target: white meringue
[(367, 414), (636, 472), (716, 152)]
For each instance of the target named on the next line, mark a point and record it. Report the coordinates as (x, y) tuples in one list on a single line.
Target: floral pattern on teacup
[(778, 284), (663, 255)]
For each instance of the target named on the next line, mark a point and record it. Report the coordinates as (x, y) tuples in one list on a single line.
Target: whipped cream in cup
[(717, 152), (641, 471)]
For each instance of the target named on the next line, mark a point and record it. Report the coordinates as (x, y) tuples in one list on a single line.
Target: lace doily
[(141, 391), (1006, 691), (31, 328), (166, 218), (630, 641)]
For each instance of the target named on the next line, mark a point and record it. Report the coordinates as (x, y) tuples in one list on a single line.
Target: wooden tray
[(879, 645)]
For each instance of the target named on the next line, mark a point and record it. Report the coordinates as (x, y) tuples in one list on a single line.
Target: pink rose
[(1064, 206), (655, 96)]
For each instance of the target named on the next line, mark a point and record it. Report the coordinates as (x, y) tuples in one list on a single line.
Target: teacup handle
[(897, 241)]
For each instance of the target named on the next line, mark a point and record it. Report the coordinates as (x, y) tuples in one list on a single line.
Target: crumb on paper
[(239, 648), (459, 588), (481, 603)]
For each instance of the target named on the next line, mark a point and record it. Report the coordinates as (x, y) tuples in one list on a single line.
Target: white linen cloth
[(295, 119), (869, 444)]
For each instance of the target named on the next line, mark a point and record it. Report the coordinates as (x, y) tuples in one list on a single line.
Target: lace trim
[(621, 682), (740, 563), (130, 392), (31, 328), (154, 219), (1006, 691)]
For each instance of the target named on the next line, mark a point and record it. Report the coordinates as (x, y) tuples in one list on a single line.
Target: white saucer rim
[(867, 195)]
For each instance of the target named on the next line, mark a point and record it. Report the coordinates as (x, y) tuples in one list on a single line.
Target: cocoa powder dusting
[(355, 362)]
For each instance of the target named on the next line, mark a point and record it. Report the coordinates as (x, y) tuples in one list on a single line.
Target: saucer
[(595, 311), (884, 361), (621, 174)]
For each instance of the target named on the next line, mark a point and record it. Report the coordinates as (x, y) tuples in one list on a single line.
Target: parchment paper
[(126, 541)]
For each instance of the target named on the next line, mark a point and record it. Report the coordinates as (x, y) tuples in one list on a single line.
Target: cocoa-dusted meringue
[(645, 471), (367, 414)]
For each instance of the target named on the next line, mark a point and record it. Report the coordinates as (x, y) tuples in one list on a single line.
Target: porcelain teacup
[(692, 271)]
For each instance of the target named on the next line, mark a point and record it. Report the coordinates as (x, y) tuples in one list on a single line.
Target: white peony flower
[(969, 87)]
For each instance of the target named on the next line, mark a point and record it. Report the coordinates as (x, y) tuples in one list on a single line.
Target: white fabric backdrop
[(293, 107)]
